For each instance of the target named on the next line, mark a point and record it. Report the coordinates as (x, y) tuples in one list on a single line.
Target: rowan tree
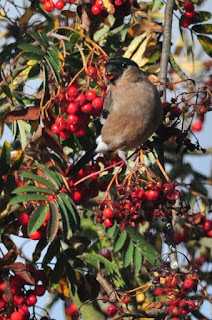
[(111, 243)]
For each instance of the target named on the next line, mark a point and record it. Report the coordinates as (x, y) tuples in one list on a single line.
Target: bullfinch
[(132, 111)]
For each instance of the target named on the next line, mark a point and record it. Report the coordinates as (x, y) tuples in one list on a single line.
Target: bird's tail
[(88, 156)]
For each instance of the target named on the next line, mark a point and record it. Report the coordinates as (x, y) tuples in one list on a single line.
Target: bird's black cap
[(115, 67), (118, 61)]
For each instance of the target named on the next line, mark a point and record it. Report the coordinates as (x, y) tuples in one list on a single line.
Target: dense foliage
[(112, 243)]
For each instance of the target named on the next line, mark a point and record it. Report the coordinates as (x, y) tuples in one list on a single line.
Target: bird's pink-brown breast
[(136, 113)]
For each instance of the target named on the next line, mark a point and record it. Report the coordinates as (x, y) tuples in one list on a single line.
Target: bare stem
[(166, 46)]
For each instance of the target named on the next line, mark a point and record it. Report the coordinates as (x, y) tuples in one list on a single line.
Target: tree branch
[(166, 46)]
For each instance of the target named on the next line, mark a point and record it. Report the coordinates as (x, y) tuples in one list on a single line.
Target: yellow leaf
[(134, 45), (23, 21), (109, 6), (138, 56), (63, 288)]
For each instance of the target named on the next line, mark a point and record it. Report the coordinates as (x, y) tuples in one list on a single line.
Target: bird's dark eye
[(124, 65)]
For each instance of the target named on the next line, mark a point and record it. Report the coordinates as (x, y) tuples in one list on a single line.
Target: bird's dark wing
[(107, 107)]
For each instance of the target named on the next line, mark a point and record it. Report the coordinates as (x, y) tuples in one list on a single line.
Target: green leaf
[(37, 218), (6, 89), (137, 259), (27, 198), (35, 71), (201, 16), (51, 175), (146, 249), (111, 231), (72, 211), (156, 5), (54, 67), (40, 38), (30, 188), (5, 158), (65, 218), (203, 28), (206, 44), (95, 260), (28, 47), (35, 177), (31, 56), (24, 129), (120, 241), (52, 251), (53, 223), (128, 254), (54, 53)]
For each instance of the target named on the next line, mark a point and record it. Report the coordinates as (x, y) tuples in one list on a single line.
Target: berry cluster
[(78, 108), (172, 290), (82, 192), (188, 15), (116, 308), (116, 7), (17, 295), (174, 135), (196, 226), (135, 204)]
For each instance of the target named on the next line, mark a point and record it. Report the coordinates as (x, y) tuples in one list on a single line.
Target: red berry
[(189, 15), (43, 1), (61, 123), (97, 103), (76, 196), (24, 310), (90, 95), (108, 213), (55, 129), (92, 72), (73, 91), (81, 99), (72, 119), (2, 304), (87, 108), (188, 6), (95, 10), (118, 2), (111, 310), (191, 305), (108, 222), (16, 316), (80, 132), (71, 309), (209, 234), (73, 127), (151, 195), (188, 283), (18, 300), (99, 4), (59, 4), (49, 5), (2, 286), (158, 292), (197, 126), (185, 22), (36, 235), (72, 107), (23, 218), (207, 225), (31, 300), (39, 290), (64, 134)]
